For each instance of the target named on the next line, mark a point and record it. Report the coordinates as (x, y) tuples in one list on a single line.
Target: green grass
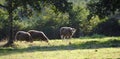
[(82, 48)]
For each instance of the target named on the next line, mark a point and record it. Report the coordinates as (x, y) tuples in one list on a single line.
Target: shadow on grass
[(72, 46)]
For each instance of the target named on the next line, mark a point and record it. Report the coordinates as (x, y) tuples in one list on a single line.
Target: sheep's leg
[(62, 37), (70, 36)]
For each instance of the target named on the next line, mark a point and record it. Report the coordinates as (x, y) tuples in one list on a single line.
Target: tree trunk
[(10, 12)]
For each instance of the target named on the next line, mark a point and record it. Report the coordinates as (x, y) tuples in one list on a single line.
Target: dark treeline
[(87, 16)]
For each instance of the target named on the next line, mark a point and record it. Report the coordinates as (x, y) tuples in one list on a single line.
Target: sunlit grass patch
[(75, 48)]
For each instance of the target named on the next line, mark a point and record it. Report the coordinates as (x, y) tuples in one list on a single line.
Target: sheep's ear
[(74, 30)]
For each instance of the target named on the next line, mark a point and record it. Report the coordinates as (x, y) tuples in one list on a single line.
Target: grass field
[(82, 48)]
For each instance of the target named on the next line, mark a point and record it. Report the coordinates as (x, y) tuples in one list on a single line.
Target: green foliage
[(104, 8), (109, 27), (50, 19), (26, 5), (108, 12), (25, 8), (49, 15), (80, 21), (3, 24), (47, 21)]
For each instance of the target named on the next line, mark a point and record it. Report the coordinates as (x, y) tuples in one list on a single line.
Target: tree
[(26, 6), (109, 13), (103, 8)]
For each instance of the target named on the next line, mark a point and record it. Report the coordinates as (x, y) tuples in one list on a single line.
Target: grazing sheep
[(22, 35), (38, 35), (67, 32)]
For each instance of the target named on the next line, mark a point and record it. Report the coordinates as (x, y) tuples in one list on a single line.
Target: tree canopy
[(104, 8), (109, 13)]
